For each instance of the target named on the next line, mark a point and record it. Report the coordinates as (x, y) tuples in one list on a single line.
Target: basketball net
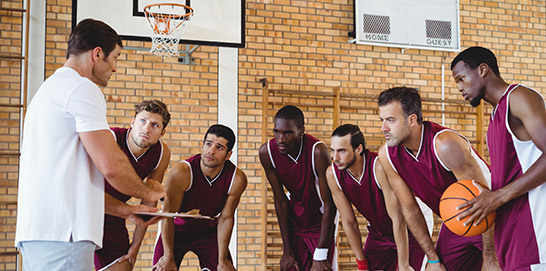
[(167, 22)]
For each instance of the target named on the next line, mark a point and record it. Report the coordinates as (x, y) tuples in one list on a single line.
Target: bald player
[(356, 178), (516, 144), (421, 159), (297, 162), (212, 184)]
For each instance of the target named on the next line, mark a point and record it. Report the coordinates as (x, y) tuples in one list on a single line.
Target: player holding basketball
[(150, 158), (355, 178), (421, 159), (67, 152), (212, 184), (297, 161), (516, 143)]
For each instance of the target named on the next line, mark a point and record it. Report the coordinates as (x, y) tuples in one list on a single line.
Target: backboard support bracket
[(185, 55)]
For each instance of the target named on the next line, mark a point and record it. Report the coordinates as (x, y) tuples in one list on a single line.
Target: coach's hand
[(321, 266), (288, 263), (157, 191), (165, 264)]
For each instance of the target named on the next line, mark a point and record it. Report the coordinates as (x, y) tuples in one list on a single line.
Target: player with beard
[(298, 161), (516, 144), (150, 158), (356, 178), (421, 159), (212, 184)]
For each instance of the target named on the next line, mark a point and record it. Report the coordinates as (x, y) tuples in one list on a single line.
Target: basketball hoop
[(167, 21)]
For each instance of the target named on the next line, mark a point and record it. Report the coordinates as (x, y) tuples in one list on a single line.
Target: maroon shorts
[(204, 245), (115, 243), (458, 252), (381, 253), (304, 242)]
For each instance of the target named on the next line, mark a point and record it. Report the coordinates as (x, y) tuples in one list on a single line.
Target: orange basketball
[(455, 195)]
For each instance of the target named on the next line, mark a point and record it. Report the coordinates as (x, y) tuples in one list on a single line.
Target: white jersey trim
[(389, 157), (528, 153), (374, 175), (317, 186), (191, 174), (232, 180), (335, 177), (270, 156)]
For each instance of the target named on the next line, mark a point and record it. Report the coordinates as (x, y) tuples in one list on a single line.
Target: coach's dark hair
[(89, 34), (154, 106), (474, 56), (409, 98), (357, 138), (222, 131), (291, 112)]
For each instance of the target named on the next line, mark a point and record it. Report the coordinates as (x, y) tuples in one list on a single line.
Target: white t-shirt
[(61, 192)]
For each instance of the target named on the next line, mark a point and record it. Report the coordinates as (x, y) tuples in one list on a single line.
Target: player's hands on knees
[(435, 267), (490, 264), (321, 266), (288, 263), (226, 265), (157, 191), (482, 205), (405, 267), (165, 264), (131, 256)]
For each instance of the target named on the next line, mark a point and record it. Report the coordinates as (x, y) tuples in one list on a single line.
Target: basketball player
[(212, 184), (421, 159), (67, 152), (355, 178), (150, 158), (297, 161), (516, 143)]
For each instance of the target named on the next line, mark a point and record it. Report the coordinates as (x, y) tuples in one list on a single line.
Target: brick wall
[(297, 46)]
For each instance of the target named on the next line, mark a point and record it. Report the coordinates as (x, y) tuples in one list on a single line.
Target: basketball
[(455, 195)]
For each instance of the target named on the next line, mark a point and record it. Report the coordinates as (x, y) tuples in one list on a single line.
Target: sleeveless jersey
[(208, 196), (524, 216), (115, 235), (424, 173), (365, 194), (300, 179)]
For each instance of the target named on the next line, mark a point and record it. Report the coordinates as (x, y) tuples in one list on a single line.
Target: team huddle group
[(77, 173)]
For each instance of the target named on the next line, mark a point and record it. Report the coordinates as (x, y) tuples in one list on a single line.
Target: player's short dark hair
[(291, 112), (89, 34), (474, 56), (357, 138), (154, 106), (409, 99), (222, 131)]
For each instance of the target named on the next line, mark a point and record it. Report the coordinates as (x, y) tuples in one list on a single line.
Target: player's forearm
[(138, 236), (353, 235), (489, 244), (400, 233), (225, 228), (167, 237), (281, 208), (418, 228), (327, 226)]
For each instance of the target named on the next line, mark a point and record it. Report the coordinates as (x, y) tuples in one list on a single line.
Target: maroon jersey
[(523, 216), (366, 195), (116, 238), (208, 196), (299, 177), (424, 173)]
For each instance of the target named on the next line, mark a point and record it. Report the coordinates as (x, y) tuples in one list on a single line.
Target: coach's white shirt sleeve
[(61, 192)]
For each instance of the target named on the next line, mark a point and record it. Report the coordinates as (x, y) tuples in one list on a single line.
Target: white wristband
[(321, 254)]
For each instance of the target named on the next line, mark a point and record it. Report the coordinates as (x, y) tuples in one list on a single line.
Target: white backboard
[(214, 22)]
